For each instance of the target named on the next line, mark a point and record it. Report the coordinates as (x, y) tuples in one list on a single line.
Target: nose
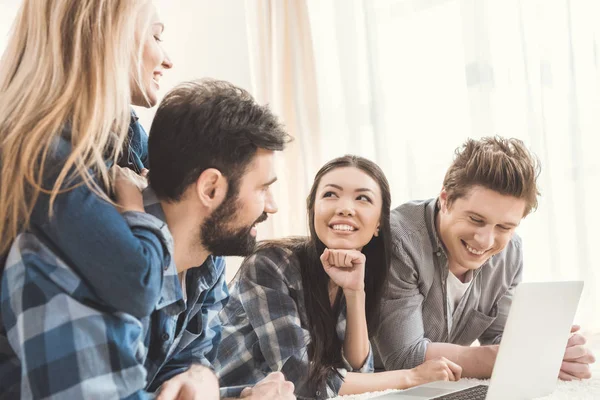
[(346, 209), (270, 203), (166, 62), (484, 237)]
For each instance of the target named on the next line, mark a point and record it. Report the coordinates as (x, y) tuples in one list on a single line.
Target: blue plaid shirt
[(59, 341)]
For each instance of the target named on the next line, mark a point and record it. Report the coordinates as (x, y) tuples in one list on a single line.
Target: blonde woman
[(67, 78)]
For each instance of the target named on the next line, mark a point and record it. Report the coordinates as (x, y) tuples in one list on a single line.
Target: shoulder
[(272, 266), (273, 260), (409, 217), (409, 225)]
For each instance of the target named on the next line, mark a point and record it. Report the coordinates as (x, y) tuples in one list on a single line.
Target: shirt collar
[(431, 210), (198, 279)]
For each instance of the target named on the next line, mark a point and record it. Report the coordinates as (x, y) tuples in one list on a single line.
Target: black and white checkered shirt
[(265, 328)]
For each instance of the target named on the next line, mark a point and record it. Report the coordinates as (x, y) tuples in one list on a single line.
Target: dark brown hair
[(208, 124), (325, 349)]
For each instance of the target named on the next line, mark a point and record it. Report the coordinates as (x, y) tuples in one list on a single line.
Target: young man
[(212, 161), (457, 261)]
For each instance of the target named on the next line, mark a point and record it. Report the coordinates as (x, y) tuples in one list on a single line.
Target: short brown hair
[(496, 163)]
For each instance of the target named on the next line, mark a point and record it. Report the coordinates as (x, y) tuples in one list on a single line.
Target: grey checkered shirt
[(265, 328), (415, 310)]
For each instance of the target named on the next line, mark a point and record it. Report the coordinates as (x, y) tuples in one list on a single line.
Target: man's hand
[(197, 383), (577, 359), (128, 188), (273, 387), (438, 369)]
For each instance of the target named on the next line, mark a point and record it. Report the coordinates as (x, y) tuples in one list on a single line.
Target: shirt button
[(164, 337), (439, 253)]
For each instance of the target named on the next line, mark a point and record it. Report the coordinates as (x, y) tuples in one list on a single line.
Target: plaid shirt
[(62, 342), (265, 328)]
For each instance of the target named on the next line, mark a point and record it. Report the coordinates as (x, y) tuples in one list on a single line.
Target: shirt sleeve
[(121, 257), (67, 347), (368, 365), (273, 313), (198, 348), (400, 339), (493, 334)]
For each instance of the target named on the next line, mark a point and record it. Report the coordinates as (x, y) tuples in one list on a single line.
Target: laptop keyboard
[(473, 393)]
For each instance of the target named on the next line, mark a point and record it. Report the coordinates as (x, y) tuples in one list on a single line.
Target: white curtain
[(283, 75), (405, 82)]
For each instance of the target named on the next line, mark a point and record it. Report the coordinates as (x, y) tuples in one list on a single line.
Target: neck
[(189, 252)]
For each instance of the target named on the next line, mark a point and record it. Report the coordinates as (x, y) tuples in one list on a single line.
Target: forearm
[(356, 342), (356, 383), (477, 362)]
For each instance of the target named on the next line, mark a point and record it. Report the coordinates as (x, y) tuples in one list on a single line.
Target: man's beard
[(221, 238)]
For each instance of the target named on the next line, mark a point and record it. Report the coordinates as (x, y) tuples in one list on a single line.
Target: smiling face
[(347, 208), (231, 229), (154, 61), (476, 226)]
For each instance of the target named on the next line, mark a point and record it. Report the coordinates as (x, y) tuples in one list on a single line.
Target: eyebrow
[(269, 183), (356, 190), (512, 225)]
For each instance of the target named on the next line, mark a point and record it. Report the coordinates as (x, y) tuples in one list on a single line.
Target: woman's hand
[(128, 187), (439, 369), (346, 268)]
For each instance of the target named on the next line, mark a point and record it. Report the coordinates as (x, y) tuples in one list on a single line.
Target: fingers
[(576, 370), (575, 328), (343, 258), (576, 340), (144, 172), (169, 390), (563, 376), (580, 354), (455, 368), (274, 377), (325, 259), (247, 391)]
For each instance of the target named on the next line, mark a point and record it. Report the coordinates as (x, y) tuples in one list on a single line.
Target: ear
[(443, 200), (376, 234), (211, 188)]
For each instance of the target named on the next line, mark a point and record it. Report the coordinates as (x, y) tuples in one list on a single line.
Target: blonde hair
[(68, 63), (496, 163)]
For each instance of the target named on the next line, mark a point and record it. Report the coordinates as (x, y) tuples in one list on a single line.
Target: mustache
[(262, 218)]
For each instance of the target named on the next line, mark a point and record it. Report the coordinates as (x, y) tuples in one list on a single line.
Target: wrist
[(411, 379), (355, 293)]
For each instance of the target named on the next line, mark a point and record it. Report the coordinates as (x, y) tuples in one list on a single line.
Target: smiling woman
[(311, 302), (69, 74)]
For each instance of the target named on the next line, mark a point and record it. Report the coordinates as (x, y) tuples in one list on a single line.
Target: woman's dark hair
[(325, 349)]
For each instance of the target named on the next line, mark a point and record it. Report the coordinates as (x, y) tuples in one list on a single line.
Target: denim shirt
[(63, 343), (84, 227)]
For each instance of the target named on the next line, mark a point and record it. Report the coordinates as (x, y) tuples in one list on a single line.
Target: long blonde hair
[(67, 63)]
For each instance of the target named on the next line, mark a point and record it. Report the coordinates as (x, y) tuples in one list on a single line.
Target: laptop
[(531, 352)]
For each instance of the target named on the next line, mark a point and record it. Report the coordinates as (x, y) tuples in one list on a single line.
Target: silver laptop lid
[(534, 340)]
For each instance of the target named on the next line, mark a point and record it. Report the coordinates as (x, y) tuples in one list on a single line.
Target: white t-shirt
[(457, 289)]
